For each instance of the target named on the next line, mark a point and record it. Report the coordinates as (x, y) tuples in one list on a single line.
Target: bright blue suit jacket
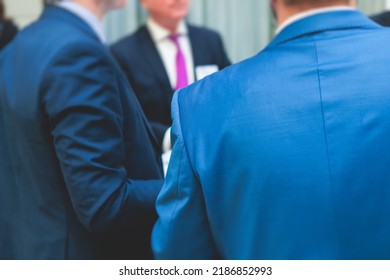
[(140, 61), (75, 148), (285, 155)]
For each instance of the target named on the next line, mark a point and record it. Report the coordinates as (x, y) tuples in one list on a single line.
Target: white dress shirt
[(167, 49), (85, 15), (309, 13)]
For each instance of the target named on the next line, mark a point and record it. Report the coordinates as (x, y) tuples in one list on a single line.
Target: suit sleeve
[(81, 99), (182, 230)]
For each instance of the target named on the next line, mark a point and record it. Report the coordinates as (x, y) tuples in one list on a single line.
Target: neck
[(286, 12), (170, 25), (96, 7)]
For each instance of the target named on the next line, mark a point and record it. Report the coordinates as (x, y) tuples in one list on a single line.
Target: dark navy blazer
[(382, 18), (75, 148), (144, 68), (8, 30), (285, 155)]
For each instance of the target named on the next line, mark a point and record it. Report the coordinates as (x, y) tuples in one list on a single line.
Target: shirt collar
[(160, 33), (85, 15), (309, 13)]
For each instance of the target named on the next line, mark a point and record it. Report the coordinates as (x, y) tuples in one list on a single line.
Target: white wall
[(23, 11), (371, 7)]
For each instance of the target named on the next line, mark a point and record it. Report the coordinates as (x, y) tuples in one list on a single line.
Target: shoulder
[(64, 46), (202, 31), (220, 94), (229, 83), (131, 41), (80, 48), (58, 41)]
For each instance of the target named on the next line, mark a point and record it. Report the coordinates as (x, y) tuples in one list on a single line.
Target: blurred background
[(246, 25)]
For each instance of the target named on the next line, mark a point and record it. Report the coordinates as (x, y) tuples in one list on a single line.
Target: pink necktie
[(181, 71)]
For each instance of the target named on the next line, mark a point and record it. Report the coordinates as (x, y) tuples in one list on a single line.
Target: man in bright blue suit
[(76, 149), (285, 155), (147, 57)]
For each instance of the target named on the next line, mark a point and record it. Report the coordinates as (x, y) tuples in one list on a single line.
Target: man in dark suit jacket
[(147, 58), (75, 147), (8, 29), (382, 18)]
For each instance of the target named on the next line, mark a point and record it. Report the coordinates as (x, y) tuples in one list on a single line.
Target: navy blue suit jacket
[(143, 66), (8, 30), (382, 18), (75, 148), (285, 155)]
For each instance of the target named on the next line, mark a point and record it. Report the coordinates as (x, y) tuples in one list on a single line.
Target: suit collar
[(153, 58), (344, 19), (58, 13), (308, 13), (197, 42), (158, 33), (85, 15)]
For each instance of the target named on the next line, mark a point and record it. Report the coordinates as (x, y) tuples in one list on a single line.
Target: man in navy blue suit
[(148, 58), (285, 155), (79, 165)]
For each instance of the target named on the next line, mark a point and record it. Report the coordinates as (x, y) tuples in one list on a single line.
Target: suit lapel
[(344, 19), (153, 58), (196, 45)]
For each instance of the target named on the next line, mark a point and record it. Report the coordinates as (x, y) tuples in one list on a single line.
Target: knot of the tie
[(174, 38)]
